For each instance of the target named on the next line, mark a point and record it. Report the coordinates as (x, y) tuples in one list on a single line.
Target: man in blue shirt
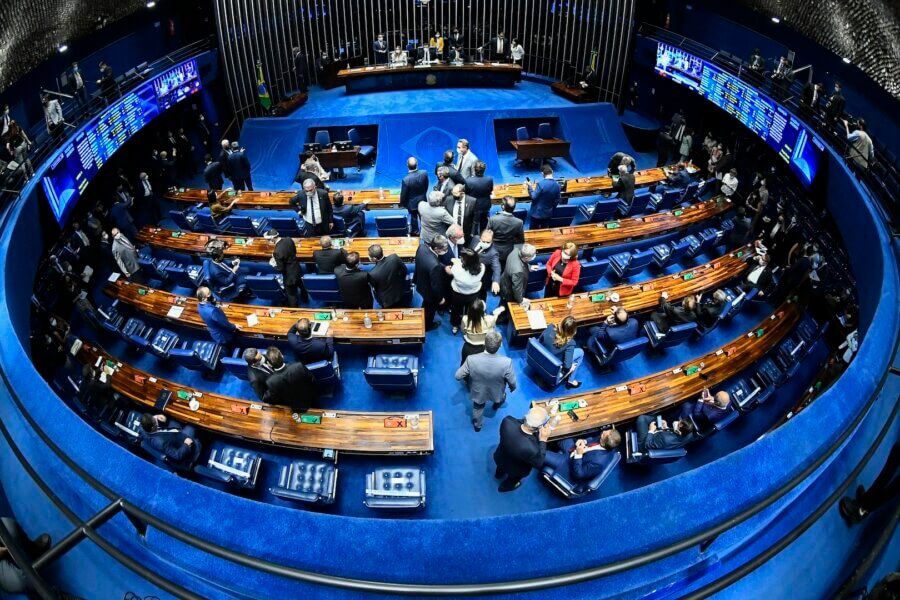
[(545, 195), (220, 328), (617, 329)]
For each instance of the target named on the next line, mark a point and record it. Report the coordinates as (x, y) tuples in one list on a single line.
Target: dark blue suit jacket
[(220, 328), (219, 276), (611, 336), (480, 188), (311, 349), (238, 166), (589, 465), (171, 443), (413, 189), (429, 275), (544, 198)]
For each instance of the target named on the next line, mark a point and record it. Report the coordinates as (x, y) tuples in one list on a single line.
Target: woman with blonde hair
[(560, 341)]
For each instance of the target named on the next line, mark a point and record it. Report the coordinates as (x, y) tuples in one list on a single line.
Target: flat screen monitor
[(794, 142), (72, 167)]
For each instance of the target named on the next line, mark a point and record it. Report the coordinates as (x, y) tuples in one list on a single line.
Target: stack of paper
[(536, 319), (175, 312)]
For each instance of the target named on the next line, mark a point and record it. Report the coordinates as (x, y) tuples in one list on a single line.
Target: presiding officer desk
[(593, 307), (387, 199), (385, 77), (348, 431), (655, 393), (545, 240), (402, 326)]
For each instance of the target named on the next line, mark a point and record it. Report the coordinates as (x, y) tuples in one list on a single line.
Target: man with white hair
[(223, 158), (514, 280), (624, 184), (239, 168), (488, 374), (315, 207), (433, 217), (522, 447)]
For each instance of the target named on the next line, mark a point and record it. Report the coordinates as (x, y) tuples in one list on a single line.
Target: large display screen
[(81, 157), (790, 138)]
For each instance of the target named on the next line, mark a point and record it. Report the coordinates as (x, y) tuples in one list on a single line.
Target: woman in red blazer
[(563, 271)]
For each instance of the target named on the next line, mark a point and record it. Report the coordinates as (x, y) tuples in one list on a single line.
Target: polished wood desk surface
[(334, 159), (402, 326), (635, 298), (390, 198), (540, 148), (617, 232), (617, 404), (362, 72), (348, 431), (260, 249)]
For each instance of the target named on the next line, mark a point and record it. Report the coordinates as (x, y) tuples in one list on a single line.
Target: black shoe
[(434, 325), (573, 384), (498, 474), (477, 427), (850, 511), (504, 488)]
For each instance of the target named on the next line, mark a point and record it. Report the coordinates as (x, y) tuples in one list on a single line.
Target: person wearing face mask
[(430, 278), (221, 330), (381, 50), (563, 271), (483, 246)]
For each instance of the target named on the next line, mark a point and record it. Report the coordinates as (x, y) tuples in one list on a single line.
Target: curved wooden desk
[(348, 431), (260, 249), (616, 404), (405, 326), (635, 298), (384, 77), (390, 198), (545, 240)]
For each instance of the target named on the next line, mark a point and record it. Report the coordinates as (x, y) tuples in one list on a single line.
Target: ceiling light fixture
[(776, 20), (62, 48), (846, 60), (151, 4)]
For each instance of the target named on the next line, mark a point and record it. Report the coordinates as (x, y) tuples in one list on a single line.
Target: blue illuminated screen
[(790, 138), (81, 157)]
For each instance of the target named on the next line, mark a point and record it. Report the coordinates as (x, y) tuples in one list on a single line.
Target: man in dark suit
[(149, 204), (186, 152), (653, 437), (328, 258), (430, 278), (301, 69), (354, 215), (759, 276), (177, 443), (212, 173), (167, 170), (307, 348), (380, 47), (315, 207), (223, 158), (120, 214), (258, 371), (617, 329), (289, 385), (584, 458), (96, 389), (834, 108), (457, 40), (413, 189), (107, 83), (669, 315), (624, 184), (388, 277), (522, 447), (284, 260), (483, 246), (302, 175), (353, 284), (740, 232), (508, 229), (499, 48), (481, 187), (545, 195), (708, 312), (453, 173), (239, 168), (461, 207), (708, 410), (812, 97)]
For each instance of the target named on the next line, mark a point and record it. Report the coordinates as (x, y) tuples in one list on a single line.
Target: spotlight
[(151, 3), (776, 20), (846, 60), (62, 48)]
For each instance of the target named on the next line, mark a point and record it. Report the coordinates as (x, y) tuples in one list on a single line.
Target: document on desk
[(175, 312), (252, 320), (536, 319)]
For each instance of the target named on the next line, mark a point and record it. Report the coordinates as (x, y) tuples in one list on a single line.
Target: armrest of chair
[(666, 454), (556, 480), (595, 483), (294, 495), (214, 474)]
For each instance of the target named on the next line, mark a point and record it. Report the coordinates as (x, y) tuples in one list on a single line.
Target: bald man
[(709, 409)]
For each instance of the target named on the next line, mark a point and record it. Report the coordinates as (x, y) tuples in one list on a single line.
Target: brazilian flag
[(264, 99)]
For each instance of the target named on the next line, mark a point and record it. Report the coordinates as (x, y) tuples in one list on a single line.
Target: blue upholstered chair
[(243, 225), (537, 280), (235, 364), (392, 226), (808, 330), (563, 215), (366, 152), (326, 372), (747, 392), (309, 481), (323, 138), (231, 466), (703, 240), (110, 319), (592, 271), (322, 288), (638, 205), (690, 192), (769, 373), (790, 354), (702, 330), (705, 429), (340, 227), (545, 131), (186, 277), (561, 482), (666, 199), (522, 134), (136, 333), (392, 372), (184, 220), (286, 226), (545, 364), (602, 210), (739, 300), (266, 286), (626, 264), (607, 357), (521, 214), (396, 488), (163, 343), (205, 222), (199, 355), (154, 268), (633, 453), (127, 426), (676, 334)]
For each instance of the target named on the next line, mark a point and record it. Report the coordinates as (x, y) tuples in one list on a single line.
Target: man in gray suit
[(433, 217), (515, 278), (126, 255), (465, 159), (508, 229), (488, 374)]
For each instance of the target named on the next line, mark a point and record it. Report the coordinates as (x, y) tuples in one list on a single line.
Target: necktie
[(312, 209), (459, 163), (147, 189), (458, 211)]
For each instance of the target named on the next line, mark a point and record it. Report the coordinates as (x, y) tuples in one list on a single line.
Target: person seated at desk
[(618, 328), (96, 389), (224, 278), (760, 276), (353, 284), (388, 278), (308, 348), (669, 315), (653, 437), (584, 456), (708, 410), (563, 272), (708, 312), (399, 57), (314, 206), (560, 341), (679, 177), (310, 168), (328, 258), (624, 185), (258, 371), (290, 385), (350, 212), (218, 210), (221, 330), (178, 443)]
